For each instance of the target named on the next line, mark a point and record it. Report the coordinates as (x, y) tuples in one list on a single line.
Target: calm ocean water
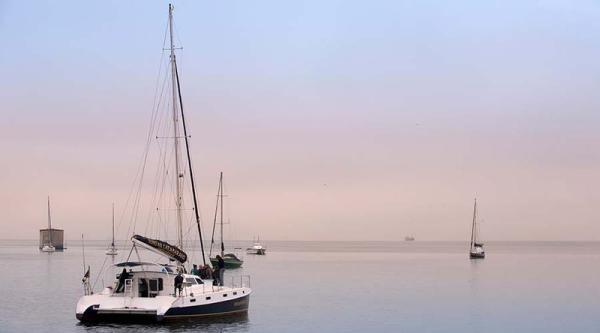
[(344, 287)]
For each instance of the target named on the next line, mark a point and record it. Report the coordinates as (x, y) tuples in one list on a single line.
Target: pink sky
[(367, 129)]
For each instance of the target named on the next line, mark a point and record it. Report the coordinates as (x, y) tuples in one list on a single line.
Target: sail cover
[(160, 247)]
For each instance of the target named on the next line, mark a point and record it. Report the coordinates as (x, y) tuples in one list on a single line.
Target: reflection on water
[(233, 323)]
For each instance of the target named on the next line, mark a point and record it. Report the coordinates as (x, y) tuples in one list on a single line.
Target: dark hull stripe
[(230, 307)]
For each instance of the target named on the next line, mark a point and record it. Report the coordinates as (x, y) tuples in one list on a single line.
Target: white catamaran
[(154, 291)]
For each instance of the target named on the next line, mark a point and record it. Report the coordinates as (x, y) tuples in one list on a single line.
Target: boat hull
[(229, 263), (237, 306), (477, 255), (259, 252)]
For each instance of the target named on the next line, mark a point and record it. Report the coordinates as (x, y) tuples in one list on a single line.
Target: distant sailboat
[(230, 259), (257, 248), (112, 250), (49, 247), (476, 248)]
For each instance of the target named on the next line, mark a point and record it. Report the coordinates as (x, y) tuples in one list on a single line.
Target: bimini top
[(147, 266), (163, 248), (135, 264)]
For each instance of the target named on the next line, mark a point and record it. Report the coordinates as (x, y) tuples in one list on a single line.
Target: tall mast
[(187, 145), (178, 173), (473, 225), (113, 225), (222, 243), (49, 223)]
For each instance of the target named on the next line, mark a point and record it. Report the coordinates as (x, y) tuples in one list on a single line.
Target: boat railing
[(244, 281)]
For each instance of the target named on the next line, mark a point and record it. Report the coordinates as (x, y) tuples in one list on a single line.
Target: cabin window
[(224, 295), (199, 281), (190, 280), (155, 285), (208, 298), (235, 293), (192, 300), (143, 288)]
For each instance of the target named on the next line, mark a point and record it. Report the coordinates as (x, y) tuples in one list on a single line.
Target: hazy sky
[(341, 120)]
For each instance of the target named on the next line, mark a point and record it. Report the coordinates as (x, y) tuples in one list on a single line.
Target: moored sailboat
[(49, 246), (150, 291), (257, 248), (476, 247), (231, 260), (112, 250)]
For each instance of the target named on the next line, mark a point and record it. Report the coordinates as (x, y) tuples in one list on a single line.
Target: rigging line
[(155, 126), (152, 126), (187, 148), (156, 105), (142, 169), (99, 273), (160, 168), (212, 239)]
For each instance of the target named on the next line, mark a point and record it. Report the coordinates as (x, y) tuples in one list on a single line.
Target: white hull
[(48, 248), (257, 249), (112, 252), (196, 301)]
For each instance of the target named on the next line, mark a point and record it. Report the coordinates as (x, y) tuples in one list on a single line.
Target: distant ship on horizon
[(409, 238)]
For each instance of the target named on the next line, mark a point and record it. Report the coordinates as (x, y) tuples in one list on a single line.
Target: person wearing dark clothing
[(221, 266), (122, 277), (206, 272), (178, 284)]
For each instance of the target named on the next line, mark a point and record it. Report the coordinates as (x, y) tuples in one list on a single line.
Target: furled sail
[(160, 247)]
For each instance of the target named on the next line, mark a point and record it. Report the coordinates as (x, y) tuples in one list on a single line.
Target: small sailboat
[(257, 248), (476, 247), (112, 250), (49, 246), (231, 260)]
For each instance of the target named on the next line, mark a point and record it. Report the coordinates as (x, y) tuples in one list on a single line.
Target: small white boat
[(48, 248), (257, 249), (112, 250)]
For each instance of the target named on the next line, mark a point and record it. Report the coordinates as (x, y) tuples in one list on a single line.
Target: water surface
[(343, 287)]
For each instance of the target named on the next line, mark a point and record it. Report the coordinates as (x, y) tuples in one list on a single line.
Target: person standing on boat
[(122, 277), (195, 270), (178, 283), (221, 267)]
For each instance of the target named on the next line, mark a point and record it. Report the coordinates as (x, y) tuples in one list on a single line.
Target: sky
[(331, 120)]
